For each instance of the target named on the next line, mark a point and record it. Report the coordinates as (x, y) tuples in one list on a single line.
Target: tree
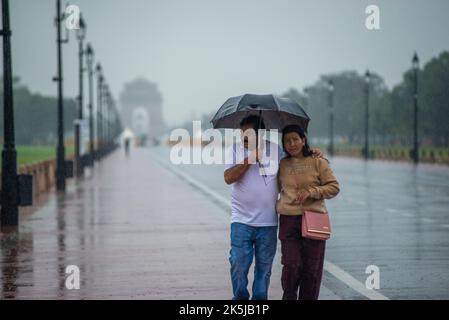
[(35, 117)]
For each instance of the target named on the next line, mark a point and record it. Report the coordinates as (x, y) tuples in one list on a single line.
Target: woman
[(304, 183)]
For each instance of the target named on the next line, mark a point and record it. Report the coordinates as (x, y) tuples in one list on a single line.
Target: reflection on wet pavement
[(133, 229)]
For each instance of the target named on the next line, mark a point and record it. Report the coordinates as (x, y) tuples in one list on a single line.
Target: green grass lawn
[(28, 154)]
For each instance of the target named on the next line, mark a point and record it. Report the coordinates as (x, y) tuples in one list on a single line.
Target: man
[(253, 175)]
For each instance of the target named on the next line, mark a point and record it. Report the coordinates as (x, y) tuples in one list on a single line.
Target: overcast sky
[(200, 52)]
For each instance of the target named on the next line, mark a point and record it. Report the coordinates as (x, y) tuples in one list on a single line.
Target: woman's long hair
[(295, 128)]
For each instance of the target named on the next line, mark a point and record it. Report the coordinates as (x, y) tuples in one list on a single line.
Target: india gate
[(141, 110)]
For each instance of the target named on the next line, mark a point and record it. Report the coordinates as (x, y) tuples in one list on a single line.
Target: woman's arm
[(329, 187)]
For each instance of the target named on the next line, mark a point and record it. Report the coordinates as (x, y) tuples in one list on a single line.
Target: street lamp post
[(114, 123), (331, 117), (16, 189), (367, 85), (9, 195), (104, 113), (80, 34), (60, 150), (415, 152), (108, 118), (103, 116), (90, 61), (107, 115), (99, 109)]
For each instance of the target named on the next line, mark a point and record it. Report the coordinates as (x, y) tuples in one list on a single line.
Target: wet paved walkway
[(134, 229), (388, 214)]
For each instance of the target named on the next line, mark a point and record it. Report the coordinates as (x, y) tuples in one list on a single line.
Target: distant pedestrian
[(127, 146)]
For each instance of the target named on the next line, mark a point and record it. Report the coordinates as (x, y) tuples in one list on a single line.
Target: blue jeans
[(246, 242)]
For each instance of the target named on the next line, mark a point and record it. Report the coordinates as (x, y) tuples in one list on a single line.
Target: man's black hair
[(253, 120)]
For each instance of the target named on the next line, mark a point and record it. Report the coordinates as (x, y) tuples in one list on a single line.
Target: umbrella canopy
[(276, 112)]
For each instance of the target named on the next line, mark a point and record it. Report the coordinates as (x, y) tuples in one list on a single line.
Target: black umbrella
[(276, 112)]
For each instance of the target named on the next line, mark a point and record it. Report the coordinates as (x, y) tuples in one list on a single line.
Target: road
[(388, 214)]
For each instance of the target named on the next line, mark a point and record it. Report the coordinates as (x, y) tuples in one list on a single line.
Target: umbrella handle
[(257, 139), (259, 127)]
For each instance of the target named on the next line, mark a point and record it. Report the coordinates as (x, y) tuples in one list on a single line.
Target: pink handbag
[(316, 225)]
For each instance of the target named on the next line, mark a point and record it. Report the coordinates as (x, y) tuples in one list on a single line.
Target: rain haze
[(113, 187), (199, 53)]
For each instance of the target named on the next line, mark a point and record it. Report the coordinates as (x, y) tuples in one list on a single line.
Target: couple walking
[(300, 181)]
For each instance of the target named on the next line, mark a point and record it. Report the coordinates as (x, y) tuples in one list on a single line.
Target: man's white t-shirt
[(254, 195)]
